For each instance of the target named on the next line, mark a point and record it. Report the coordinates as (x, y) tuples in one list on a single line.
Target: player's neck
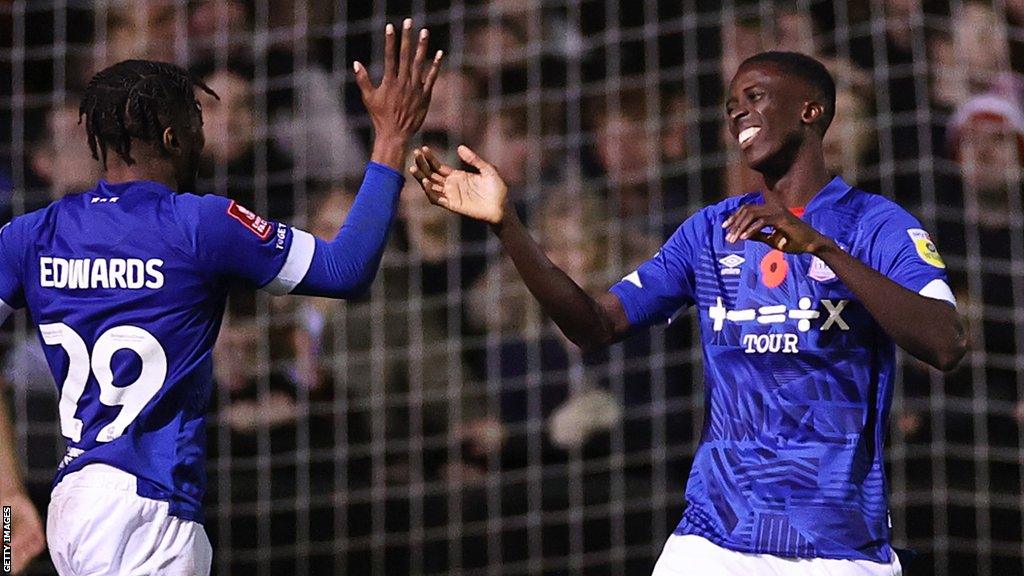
[(803, 179), (145, 167)]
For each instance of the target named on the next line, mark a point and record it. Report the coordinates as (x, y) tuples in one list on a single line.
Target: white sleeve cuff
[(939, 290), (300, 255)]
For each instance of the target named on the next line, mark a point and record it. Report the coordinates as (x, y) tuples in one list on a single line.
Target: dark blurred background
[(441, 425)]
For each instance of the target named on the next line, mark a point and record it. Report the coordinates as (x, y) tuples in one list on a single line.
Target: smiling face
[(770, 114)]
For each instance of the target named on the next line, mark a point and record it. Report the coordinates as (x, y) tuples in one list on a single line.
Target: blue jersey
[(127, 284), (798, 374)]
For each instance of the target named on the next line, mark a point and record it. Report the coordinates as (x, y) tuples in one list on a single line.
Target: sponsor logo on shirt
[(925, 247), (92, 273), (731, 264), (282, 233), (804, 314), (253, 222)]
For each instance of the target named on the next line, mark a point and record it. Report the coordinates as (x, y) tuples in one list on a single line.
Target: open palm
[(479, 196)]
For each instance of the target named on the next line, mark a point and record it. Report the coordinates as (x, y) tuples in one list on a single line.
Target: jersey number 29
[(132, 398)]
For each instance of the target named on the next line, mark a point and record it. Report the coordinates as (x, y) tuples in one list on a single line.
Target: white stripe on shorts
[(695, 556)]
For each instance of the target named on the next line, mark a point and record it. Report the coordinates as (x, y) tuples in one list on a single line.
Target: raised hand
[(479, 196), (399, 104), (790, 234)]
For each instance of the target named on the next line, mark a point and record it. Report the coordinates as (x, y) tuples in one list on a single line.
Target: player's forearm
[(576, 313), (10, 480), (928, 328), (346, 266)]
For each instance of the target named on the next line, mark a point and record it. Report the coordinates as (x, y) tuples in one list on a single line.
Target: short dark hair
[(808, 69), (136, 99)]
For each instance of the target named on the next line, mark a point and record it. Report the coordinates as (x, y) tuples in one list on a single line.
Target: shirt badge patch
[(731, 264), (925, 247), (252, 221), (820, 271)]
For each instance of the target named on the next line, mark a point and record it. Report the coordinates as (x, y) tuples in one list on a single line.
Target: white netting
[(441, 426)]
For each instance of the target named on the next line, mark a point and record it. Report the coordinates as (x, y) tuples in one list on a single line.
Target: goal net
[(441, 425)]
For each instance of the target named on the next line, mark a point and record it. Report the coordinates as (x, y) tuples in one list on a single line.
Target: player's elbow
[(589, 344), (949, 357)]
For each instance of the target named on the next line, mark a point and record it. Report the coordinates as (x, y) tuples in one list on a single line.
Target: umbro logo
[(731, 264)]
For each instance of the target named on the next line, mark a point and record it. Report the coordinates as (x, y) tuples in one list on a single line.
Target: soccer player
[(127, 284), (801, 291)]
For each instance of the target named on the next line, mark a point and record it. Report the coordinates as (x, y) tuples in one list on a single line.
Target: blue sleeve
[(900, 248), (11, 286), (347, 265), (232, 241), (666, 282)]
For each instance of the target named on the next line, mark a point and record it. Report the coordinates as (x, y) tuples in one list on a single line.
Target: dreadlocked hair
[(137, 99)]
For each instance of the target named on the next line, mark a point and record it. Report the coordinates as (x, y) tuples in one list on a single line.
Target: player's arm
[(929, 328), (347, 265), (589, 322), (285, 260)]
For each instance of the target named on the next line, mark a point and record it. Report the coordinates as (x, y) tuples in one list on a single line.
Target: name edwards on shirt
[(92, 273)]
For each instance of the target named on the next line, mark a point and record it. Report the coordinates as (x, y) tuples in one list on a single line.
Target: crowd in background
[(441, 424)]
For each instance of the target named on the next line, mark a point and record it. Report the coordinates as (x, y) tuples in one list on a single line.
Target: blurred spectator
[(455, 109), (986, 138), (146, 30), (850, 139), (675, 126), (219, 27), (235, 163), (315, 131), (794, 29), (512, 147), (627, 145), (62, 159), (493, 44), (971, 57)]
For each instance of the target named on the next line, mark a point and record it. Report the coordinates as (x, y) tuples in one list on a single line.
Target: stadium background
[(441, 425)]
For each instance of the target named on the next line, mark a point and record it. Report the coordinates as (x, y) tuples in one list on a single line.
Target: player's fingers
[(428, 189), (435, 68), (754, 226), (421, 54), (417, 173), (435, 164), (421, 163), (405, 58), (389, 51), (471, 158), (737, 223), (362, 79)]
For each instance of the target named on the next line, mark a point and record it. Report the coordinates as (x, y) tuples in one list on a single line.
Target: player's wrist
[(390, 150), (508, 219), (822, 246)]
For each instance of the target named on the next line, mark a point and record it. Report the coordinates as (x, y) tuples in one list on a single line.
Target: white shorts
[(97, 525), (695, 556)]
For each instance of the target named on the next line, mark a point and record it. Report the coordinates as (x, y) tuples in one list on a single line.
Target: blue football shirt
[(798, 374), (127, 284)]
